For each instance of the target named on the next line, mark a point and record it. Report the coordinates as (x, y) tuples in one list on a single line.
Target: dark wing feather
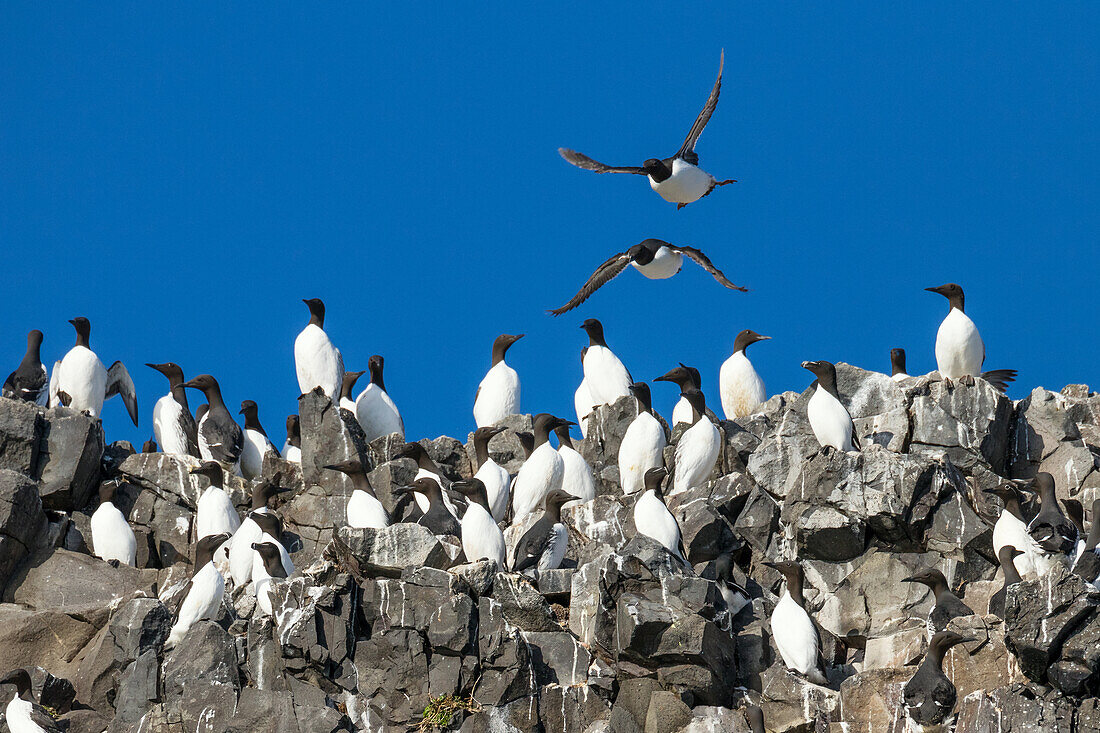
[(703, 261), (223, 437), (531, 546), (583, 161), (603, 274), (119, 382), (855, 436), (687, 150)]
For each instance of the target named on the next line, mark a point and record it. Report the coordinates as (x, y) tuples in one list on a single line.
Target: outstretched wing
[(119, 382), (583, 161), (687, 150), (703, 261), (603, 274)]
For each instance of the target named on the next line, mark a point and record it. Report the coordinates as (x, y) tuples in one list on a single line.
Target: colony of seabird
[(232, 550)]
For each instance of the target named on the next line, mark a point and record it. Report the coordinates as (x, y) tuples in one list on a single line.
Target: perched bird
[(81, 376), (829, 419), (1006, 558), (426, 468), (577, 476), (733, 595), (292, 448), (686, 378), (23, 714), (317, 362), (271, 532), (1011, 529), (583, 403), (215, 512), (1087, 563), (363, 509), (173, 426), (481, 537), (643, 443), (542, 472), (149, 446), (677, 179), (526, 443), (29, 381), (741, 388), (112, 536), (1075, 512), (929, 696), (653, 519), (496, 479), (960, 352), (267, 566), (240, 546), (498, 394), (1050, 528), (655, 259), (203, 596), (698, 448), (346, 386), (897, 365), (947, 606), (220, 437), (607, 378), (374, 409), (437, 518), (256, 443), (543, 546), (794, 632)]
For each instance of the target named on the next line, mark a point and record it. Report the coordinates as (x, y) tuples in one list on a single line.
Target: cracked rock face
[(379, 628)]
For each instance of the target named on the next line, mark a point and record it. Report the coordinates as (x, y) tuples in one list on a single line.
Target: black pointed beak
[(910, 579), (771, 565)]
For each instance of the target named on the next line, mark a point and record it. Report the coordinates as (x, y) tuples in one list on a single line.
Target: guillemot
[(543, 546), (29, 380), (960, 352), (498, 393), (643, 443), (740, 387), (829, 419), (653, 519), (374, 408), (607, 378), (256, 444), (363, 508), (112, 536), (794, 632), (542, 472), (577, 476), (698, 448), (220, 437), (496, 479), (947, 605), (203, 596), (81, 375), (317, 362), (929, 695), (481, 537), (174, 427)]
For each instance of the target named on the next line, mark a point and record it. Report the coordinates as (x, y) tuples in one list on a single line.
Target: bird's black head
[(594, 329), (502, 343), (316, 311), (897, 361), (641, 392), (350, 378), (272, 558), (169, 369), (107, 491), (203, 382), (556, 498), (375, 365), (1043, 484), (268, 522), (791, 570), (527, 442), (486, 432), (350, 467), (747, 338), (410, 450), (944, 640), (1007, 554), (34, 338), (952, 291), (931, 577), (83, 330), (211, 470), (653, 479), (723, 566), (680, 376), (657, 168), (248, 409), (205, 548), (293, 426), (20, 678), (697, 401), (821, 369)]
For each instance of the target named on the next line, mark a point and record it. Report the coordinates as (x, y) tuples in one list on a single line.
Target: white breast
[(254, 447), (202, 602), (576, 475), (682, 412), (112, 536), (830, 421), (583, 404), (497, 482), (555, 550), (794, 635), (498, 395), (959, 347), (481, 537), (686, 184), (422, 499), (240, 551), (1008, 530), (538, 476), (215, 514), (653, 519), (607, 378), (292, 453), (317, 361), (377, 414), (84, 378), (665, 264), (18, 716), (642, 449), (741, 387), (364, 510), (696, 454), (261, 583), (166, 426)]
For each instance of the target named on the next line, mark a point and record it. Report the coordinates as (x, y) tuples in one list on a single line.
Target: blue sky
[(183, 175)]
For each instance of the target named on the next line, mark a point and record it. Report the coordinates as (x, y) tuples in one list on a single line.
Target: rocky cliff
[(392, 630)]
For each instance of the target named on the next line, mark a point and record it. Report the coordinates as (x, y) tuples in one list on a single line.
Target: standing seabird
[(240, 546), (732, 594), (897, 365), (271, 531), (829, 419), (960, 352), (1011, 529), (495, 477), (149, 446), (203, 597), (363, 509), (741, 388), (481, 537), (215, 512), (1050, 528), (23, 714), (497, 396), (643, 444), (794, 632), (947, 606), (677, 179), (686, 378), (426, 468), (607, 378), (267, 565), (1075, 512), (543, 546), (112, 536), (374, 408), (82, 376), (698, 448), (292, 448), (655, 259), (437, 518), (542, 472), (577, 476), (583, 403), (930, 696), (28, 381), (220, 437), (256, 443), (653, 519), (346, 386), (317, 362), (1006, 557), (173, 426)]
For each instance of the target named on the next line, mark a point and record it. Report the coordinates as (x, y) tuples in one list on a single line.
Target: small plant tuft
[(440, 711)]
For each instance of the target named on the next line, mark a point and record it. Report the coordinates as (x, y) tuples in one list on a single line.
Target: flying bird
[(654, 258), (677, 179)]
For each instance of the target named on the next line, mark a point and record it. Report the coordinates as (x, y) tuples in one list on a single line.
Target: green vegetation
[(441, 711)]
